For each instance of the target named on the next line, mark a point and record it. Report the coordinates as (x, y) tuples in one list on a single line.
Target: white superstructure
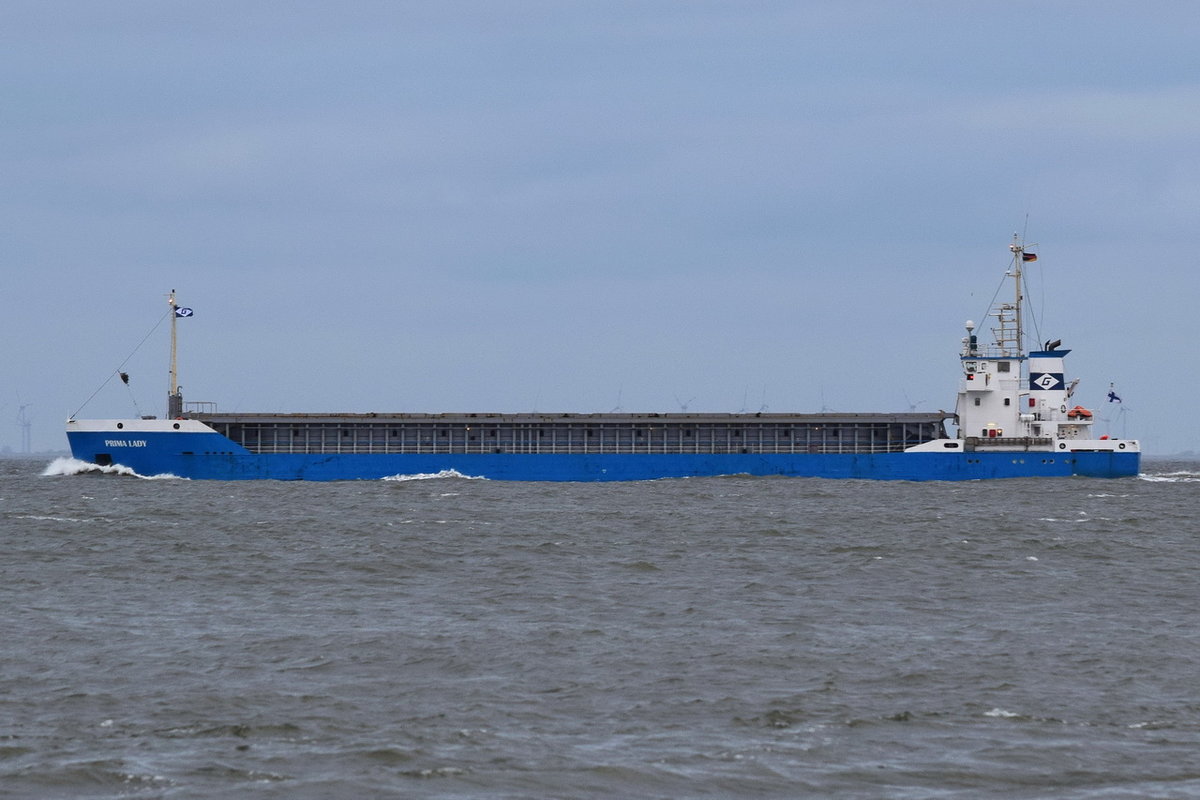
[(1011, 400)]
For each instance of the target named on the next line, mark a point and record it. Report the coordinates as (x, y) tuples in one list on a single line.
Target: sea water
[(718, 637)]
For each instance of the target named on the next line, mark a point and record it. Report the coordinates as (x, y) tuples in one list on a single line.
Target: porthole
[(120, 424), (175, 426)]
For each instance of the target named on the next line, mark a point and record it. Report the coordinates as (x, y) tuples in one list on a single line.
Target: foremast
[(174, 395)]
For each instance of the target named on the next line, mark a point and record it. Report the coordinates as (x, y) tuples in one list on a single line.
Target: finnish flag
[(183, 312)]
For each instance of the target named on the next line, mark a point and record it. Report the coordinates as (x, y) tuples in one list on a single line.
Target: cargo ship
[(1014, 418)]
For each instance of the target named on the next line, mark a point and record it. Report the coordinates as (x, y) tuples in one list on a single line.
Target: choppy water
[(727, 637)]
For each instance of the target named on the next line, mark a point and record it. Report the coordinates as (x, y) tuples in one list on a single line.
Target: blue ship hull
[(212, 456)]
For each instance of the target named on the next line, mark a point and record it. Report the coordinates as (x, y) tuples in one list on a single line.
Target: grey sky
[(560, 206)]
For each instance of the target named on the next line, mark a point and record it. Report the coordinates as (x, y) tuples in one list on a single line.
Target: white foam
[(1000, 712), (427, 476), (47, 518), (73, 466), (1172, 477)]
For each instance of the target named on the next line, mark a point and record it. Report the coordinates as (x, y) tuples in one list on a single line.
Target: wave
[(1182, 476), (1000, 712), (426, 476), (48, 518), (73, 466)]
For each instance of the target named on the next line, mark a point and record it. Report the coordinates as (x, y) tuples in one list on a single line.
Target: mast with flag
[(1020, 257), (174, 394)]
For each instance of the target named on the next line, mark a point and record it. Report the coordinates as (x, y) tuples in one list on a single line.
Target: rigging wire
[(1035, 319), (132, 398), (1038, 317), (992, 303), (118, 370)]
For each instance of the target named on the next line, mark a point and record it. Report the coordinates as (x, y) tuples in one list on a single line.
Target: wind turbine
[(26, 422)]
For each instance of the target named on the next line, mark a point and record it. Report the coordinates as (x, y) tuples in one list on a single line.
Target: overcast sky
[(586, 206)]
